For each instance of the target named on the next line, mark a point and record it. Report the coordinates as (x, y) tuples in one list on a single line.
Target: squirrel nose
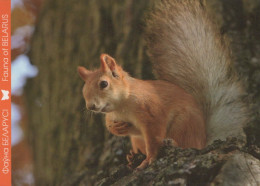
[(92, 107)]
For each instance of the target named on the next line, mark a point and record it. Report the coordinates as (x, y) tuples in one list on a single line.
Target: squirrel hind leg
[(188, 132), (137, 154)]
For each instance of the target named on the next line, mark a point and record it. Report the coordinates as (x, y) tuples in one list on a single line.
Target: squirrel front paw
[(119, 128)]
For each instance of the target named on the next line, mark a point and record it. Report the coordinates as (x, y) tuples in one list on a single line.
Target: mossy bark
[(71, 147)]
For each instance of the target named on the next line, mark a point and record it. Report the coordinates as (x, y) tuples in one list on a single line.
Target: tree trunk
[(71, 147)]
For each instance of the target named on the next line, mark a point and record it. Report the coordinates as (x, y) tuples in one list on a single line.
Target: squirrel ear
[(107, 63), (83, 72)]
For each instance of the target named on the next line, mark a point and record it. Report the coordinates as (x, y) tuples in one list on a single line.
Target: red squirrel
[(197, 98)]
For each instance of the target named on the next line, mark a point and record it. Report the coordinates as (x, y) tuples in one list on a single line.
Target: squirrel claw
[(129, 157), (121, 125)]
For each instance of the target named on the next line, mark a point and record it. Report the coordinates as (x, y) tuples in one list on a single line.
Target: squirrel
[(197, 98)]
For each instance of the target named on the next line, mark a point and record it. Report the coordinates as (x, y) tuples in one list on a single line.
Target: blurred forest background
[(60, 143)]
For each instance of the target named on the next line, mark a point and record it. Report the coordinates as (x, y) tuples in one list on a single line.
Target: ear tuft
[(83, 72)]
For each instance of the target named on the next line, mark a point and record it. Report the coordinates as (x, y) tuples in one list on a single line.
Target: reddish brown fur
[(149, 111), (199, 89)]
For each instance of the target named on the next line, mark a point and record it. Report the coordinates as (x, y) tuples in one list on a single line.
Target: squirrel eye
[(103, 84)]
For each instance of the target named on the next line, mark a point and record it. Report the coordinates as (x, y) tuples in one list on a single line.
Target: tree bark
[(72, 147)]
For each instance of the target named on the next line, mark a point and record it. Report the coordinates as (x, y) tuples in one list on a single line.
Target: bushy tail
[(186, 50)]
